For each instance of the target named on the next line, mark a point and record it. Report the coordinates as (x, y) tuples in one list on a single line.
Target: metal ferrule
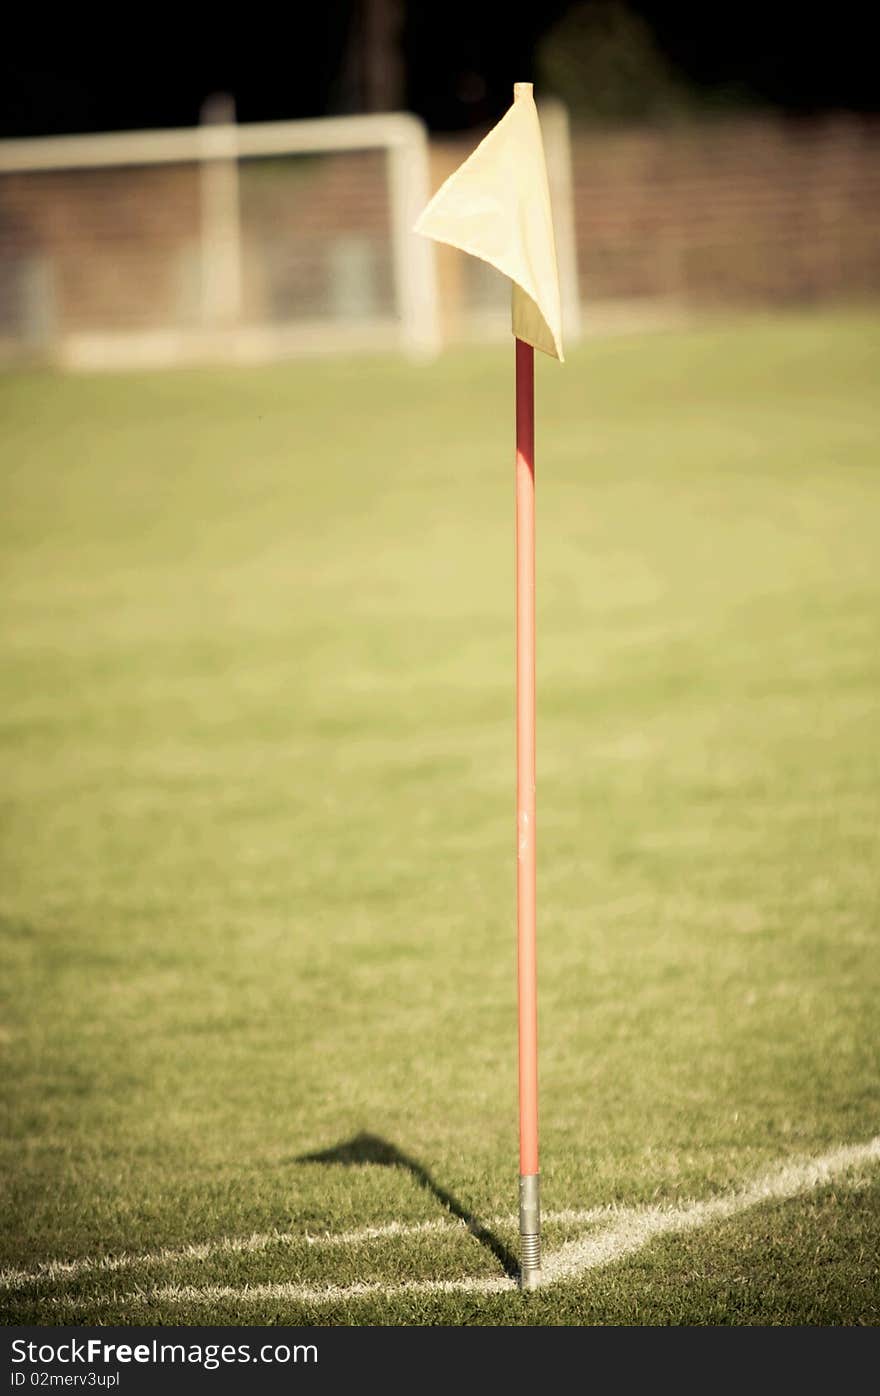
[(530, 1230)]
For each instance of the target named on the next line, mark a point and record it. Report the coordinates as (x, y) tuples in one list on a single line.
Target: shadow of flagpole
[(370, 1148)]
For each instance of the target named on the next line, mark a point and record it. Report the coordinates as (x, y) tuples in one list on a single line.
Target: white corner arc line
[(49, 1270), (625, 1232), (629, 1233)]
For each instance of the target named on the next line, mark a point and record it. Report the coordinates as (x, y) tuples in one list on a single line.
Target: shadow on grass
[(369, 1148)]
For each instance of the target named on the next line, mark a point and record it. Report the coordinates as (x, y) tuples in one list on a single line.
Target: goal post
[(245, 242), (34, 228)]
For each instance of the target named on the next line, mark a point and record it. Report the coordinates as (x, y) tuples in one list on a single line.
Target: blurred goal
[(247, 242)]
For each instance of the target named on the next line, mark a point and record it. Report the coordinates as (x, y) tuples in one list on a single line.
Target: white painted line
[(624, 1232), (207, 1250), (309, 1294), (632, 1230), (629, 1233), (266, 1240), (635, 1229)]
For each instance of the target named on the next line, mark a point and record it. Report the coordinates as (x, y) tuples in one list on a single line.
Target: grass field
[(257, 861)]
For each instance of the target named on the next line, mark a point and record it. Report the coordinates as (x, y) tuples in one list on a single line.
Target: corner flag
[(496, 206)]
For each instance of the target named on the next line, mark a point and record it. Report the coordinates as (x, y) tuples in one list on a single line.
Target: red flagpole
[(530, 1226)]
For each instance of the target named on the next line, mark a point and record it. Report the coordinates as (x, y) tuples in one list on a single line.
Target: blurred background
[(699, 158)]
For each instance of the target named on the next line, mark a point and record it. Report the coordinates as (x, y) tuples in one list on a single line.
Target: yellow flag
[(496, 206)]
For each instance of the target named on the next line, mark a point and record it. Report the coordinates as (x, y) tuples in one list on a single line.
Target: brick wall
[(748, 210), (753, 210)]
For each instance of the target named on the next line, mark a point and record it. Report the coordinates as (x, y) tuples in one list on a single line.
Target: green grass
[(257, 876)]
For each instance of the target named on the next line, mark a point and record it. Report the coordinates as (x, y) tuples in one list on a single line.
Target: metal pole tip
[(530, 1232), (530, 1279)]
